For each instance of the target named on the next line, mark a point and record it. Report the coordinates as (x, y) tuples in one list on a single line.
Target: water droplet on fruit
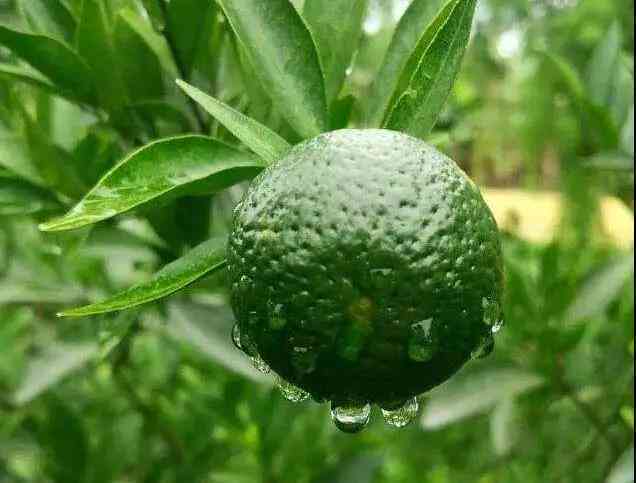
[(292, 393), (350, 417), (496, 328), (303, 359), (260, 364), (236, 337), (491, 311), (401, 415), (485, 348), (276, 319), (422, 347)]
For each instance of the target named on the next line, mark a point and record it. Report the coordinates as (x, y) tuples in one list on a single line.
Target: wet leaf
[(260, 139), (55, 363), (428, 77), (57, 61), (337, 27), (284, 57), (185, 164), (474, 392), (408, 32), (202, 260)]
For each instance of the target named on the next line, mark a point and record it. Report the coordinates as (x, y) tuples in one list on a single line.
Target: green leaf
[(55, 165), (474, 392), (210, 333), (50, 17), (259, 138), (600, 290), (55, 363), (432, 70), (64, 68), (143, 71), (603, 66), (27, 75), (202, 260), (337, 27), (596, 118), (181, 165), (155, 42), (95, 43), (20, 198), (190, 24), (14, 156), (408, 32), (504, 430), (623, 471), (284, 56)]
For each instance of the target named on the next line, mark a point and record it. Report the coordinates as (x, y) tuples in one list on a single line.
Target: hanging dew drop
[(402, 415), (485, 348), (422, 347), (292, 393), (496, 328), (304, 359), (350, 418), (276, 319), (491, 312), (236, 337)]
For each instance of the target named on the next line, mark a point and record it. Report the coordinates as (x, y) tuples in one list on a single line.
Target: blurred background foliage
[(545, 101)]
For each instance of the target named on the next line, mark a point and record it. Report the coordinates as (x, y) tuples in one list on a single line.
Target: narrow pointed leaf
[(199, 262), (600, 290), (14, 156), (189, 25), (20, 198), (50, 17), (56, 363), (95, 43), (603, 66), (337, 27), (142, 69), (442, 48), (20, 73), (155, 42), (209, 331), (283, 53), (174, 166), (623, 470), (475, 392), (408, 32), (54, 59), (259, 138)]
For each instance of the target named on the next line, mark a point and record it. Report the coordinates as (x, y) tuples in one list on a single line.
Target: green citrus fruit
[(365, 267)]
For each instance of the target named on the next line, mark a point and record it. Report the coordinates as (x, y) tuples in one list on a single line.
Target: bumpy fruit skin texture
[(346, 250)]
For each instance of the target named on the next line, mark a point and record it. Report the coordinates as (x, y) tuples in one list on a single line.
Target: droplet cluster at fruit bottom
[(350, 417)]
